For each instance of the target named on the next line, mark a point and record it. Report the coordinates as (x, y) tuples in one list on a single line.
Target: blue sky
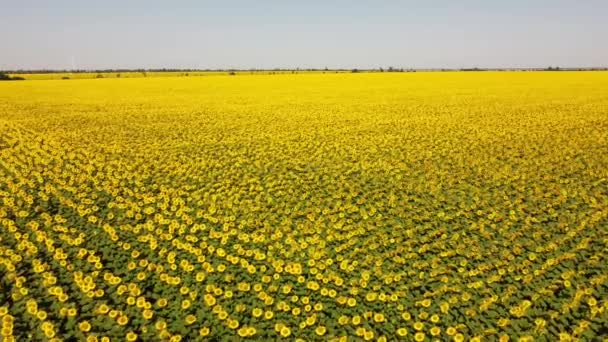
[(64, 34)]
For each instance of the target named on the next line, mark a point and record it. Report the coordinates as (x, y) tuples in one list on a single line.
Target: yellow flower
[(41, 315), (285, 331), (243, 331), (209, 300), (148, 314), (84, 326), (122, 320), (160, 325), (190, 319), (49, 333), (435, 331), (103, 309), (162, 302), (257, 312), (402, 332), (320, 330), (233, 324), (204, 331), (503, 322), (378, 318), (131, 336), (419, 337)]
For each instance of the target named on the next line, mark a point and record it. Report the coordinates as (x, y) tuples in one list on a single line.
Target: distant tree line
[(4, 75), (7, 77)]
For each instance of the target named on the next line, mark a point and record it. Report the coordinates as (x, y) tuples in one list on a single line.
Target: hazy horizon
[(67, 34)]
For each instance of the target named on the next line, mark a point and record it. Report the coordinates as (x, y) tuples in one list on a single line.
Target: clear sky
[(65, 34)]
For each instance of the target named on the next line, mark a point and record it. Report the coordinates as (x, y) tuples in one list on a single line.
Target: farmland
[(378, 207)]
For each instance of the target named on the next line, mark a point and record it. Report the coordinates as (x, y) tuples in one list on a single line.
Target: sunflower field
[(464, 206)]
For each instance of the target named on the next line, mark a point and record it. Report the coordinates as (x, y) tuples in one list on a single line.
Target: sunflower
[(204, 331), (131, 336), (190, 319), (122, 320), (351, 302), (84, 326), (419, 337), (160, 325), (379, 318), (147, 314), (242, 332)]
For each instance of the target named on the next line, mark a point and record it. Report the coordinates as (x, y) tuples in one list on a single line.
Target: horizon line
[(379, 69)]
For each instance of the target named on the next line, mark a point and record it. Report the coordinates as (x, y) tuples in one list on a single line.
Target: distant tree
[(117, 75), (354, 70), (7, 77), (232, 73), (99, 76), (65, 78)]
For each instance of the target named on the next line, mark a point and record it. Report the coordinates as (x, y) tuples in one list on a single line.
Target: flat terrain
[(316, 206)]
